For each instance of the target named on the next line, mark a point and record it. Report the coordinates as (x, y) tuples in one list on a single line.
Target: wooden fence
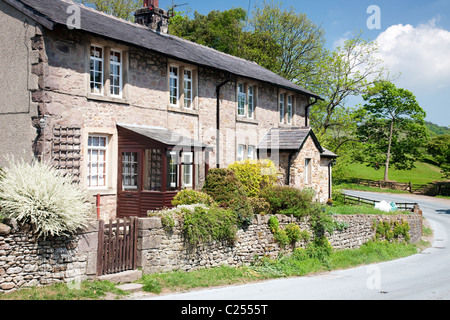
[(439, 188), (405, 206), (117, 246)]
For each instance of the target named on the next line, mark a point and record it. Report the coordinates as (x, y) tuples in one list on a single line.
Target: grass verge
[(86, 290), (285, 266)]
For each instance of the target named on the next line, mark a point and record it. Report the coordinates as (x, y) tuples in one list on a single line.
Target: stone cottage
[(136, 114)]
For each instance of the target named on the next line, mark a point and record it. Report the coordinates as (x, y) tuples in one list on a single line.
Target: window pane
[(251, 152), (251, 103), (97, 161), (188, 89), (282, 108), (130, 170), (240, 153)]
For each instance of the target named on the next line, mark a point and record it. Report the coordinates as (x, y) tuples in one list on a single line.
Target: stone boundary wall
[(26, 261), (161, 251)]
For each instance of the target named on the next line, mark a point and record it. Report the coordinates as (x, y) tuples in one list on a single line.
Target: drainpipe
[(307, 111), (330, 182), (218, 120), (289, 169)]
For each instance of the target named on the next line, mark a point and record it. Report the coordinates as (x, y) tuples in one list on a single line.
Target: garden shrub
[(320, 248), (227, 191), (168, 216), (392, 230), (210, 224), (255, 175), (43, 197), (281, 237), (259, 205), (293, 232), (187, 197), (288, 200), (274, 224)]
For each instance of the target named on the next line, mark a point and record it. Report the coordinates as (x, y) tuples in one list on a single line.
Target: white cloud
[(421, 54)]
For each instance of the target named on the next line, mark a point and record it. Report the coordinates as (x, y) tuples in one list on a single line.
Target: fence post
[(101, 233)]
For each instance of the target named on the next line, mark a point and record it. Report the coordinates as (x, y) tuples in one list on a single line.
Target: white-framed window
[(96, 70), (182, 86), (188, 89), (242, 97), (251, 153), (251, 102), (188, 169), (308, 171), (240, 152), (130, 171), (174, 85), (97, 160), (290, 109), (116, 73), (173, 170), (282, 107)]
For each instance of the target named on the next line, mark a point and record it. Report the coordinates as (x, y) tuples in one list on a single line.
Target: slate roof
[(291, 139), (164, 136), (51, 13)]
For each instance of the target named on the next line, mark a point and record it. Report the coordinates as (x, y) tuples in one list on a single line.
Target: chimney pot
[(153, 17), (151, 3)]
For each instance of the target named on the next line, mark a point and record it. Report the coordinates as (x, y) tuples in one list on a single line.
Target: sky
[(413, 37)]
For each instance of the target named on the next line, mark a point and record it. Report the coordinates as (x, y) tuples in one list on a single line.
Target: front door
[(130, 179)]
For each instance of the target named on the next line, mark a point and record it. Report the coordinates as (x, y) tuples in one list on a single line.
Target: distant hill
[(436, 130)]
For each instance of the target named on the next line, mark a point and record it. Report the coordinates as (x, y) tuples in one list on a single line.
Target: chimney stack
[(153, 17)]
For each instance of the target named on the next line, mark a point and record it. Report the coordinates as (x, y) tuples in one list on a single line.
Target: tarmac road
[(425, 276)]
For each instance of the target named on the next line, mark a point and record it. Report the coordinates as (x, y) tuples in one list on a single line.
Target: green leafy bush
[(320, 248), (259, 205), (281, 237), (187, 197), (288, 200), (255, 175), (43, 197), (293, 232), (393, 230), (210, 224), (227, 191), (274, 224)]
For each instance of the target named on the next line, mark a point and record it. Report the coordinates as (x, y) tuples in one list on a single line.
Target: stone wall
[(26, 261), (161, 251)]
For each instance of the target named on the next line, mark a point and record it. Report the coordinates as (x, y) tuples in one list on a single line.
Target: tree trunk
[(388, 155)]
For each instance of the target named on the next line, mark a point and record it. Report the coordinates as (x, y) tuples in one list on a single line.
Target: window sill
[(98, 97), (102, 192), (182, 110), (247, 120)]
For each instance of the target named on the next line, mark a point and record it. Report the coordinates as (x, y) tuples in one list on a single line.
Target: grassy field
[(424, 173)]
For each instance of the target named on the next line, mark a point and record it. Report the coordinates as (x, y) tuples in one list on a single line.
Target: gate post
[(101, 234)]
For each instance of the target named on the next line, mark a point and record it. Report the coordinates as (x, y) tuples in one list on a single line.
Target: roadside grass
[(359, 209), (86, 290), (291, 265)]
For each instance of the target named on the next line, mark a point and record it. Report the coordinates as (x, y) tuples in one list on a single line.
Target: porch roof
[(166, 137)]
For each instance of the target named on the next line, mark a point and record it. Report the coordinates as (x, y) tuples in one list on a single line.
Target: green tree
[(300, 41), (349, 71), (439, 148), (394, 130), (220, 30), (119, 8)]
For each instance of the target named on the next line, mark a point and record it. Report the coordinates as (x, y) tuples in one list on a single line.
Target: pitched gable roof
[(292, 139), (51, 13)]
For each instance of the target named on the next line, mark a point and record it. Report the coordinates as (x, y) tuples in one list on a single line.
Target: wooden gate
[(117, 246)]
